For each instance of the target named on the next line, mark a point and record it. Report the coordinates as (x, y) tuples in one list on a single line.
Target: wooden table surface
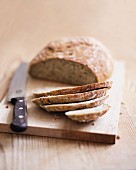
[(25, 28)]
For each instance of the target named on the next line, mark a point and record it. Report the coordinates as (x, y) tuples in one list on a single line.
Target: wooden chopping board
[(57, 125)]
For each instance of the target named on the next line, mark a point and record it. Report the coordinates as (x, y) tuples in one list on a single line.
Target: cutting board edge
[(64, 134)]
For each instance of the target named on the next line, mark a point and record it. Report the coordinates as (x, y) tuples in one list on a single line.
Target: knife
[(16, 95)]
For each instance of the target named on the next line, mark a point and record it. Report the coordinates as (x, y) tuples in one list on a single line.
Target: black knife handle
[(19, 122)]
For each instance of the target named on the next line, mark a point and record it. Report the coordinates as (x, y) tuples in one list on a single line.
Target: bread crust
[(69, 98), (86, 51), (73, 90)]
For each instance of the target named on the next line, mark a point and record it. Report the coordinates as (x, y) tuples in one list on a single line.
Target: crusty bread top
[(73, 90), (84, 50)]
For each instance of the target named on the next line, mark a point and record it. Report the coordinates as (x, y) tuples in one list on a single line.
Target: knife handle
[(19, 122)]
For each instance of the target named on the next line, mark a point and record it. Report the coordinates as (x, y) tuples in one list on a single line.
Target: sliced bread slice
[(69, 98), (73, 90), (74, 106), (86, 115)]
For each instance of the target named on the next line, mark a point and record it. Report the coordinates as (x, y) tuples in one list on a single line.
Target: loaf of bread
[(78, 61)]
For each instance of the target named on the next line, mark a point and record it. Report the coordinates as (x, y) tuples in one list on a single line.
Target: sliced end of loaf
[(62, 70)]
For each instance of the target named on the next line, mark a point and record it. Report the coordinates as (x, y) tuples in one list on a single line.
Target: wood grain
[(25, 28)]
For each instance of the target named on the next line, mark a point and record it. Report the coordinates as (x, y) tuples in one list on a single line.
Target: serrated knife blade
[(16, 95)]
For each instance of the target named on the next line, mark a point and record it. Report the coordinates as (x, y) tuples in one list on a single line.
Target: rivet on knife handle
[(19, 122)]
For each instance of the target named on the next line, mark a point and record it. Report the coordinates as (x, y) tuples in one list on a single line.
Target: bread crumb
[(56, 117), (118, 137)]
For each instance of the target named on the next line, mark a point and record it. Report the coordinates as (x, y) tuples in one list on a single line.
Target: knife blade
[(17, 96)]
